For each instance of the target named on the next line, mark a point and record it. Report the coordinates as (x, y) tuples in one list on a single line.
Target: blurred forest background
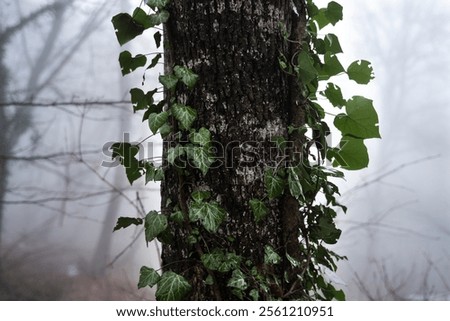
[(63, 101)]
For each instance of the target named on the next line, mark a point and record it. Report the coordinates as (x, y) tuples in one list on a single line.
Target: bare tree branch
[(104, 103), (8, 32), (48, 156), (390, 172)]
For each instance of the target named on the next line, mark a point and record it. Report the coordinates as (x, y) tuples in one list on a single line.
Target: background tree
[(16, 122), (397, 207), (56, 199)]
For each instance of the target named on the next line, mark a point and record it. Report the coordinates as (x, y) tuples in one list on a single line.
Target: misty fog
[(63, 101), (396, 233)]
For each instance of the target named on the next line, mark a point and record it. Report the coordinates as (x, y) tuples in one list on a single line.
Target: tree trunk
[(3, 149), (245, 100)]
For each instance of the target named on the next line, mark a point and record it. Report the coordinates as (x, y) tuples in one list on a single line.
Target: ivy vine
[(315, 63)]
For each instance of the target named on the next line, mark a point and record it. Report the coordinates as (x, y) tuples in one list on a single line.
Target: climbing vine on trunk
[(248, 199)]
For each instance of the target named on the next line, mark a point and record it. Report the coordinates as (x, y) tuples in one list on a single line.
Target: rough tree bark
[(245, 99)]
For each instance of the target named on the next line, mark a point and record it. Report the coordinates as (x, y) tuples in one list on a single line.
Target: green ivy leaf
[(153, 109), (332, 172), (237, 281), (150, 172), (142, 18), (168, 81), (259, 209), (202, 137), (177, 217), (221, 261), (160, 4), (157, 36), (133, 170), (313, 10), (321, 18), (165, 130), (274, 184), (210, 214), (328, 290), (165, 237), (175, 152), (141, 100), (306, 70), (360, 71), (201, 158), (331, 67), (254, 294), (332, 44), (361, 120), (200, 196), (209, 280), (154, 225), (352, 154), (126, 28), (184, 114), (192, 239), (186, 75), (319, 45), (155, 61), (138, 99), (172, 287), (280, 141), (295, 188), (339, 295), (330, 190), (283, 62), (323, 256), (270, 256), (148, 277), (124, 222), (124, 150), (328, 231), (159, 174), (156, 121), (318, 110), (334, 95), (334, 12), (159, 17), (128, 63), (126, 153)]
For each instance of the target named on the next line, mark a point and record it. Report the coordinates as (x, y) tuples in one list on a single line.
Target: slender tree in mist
[(17, 110), (15, 122), (408, 40)]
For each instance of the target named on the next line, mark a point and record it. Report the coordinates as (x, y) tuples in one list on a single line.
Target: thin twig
[(65, 103), (110, 264), (392, 171)]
